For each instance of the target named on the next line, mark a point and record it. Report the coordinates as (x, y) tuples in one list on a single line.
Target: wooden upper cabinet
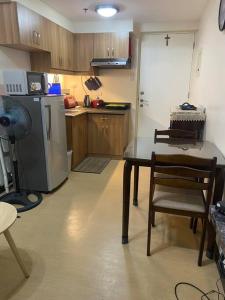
[(83, 51), (120, 44), (29, 27), (61, 47), (111, 45), (102, 45), (67, 47), (54, 45), (22, 28), (9, 31)]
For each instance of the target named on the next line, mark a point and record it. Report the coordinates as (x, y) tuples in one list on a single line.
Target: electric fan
[(16, 124)]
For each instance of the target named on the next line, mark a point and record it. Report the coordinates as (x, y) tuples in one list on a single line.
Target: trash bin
[(69, 157)]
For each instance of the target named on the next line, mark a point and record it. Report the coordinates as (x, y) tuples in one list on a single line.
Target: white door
[(166, 62)]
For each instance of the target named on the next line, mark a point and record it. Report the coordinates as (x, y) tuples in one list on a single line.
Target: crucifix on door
[(167, 38)]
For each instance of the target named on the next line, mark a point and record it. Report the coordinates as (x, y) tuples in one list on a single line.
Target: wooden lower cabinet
[(77, 137), (96, 134), (107, 134)]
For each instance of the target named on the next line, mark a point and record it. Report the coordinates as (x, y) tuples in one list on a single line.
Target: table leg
[(15, 252), (219, 185), (136, 181), (217, 196), (126, 200)]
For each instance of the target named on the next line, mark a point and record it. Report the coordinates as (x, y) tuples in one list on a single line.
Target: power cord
[(204, 295)]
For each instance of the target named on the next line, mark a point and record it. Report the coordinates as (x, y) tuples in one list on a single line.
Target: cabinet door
[(30, 27), (22, 27), (102, 45), (79, 139), (67, 51), (106, 134), (54, 45), (120, 45), (114, 134), (70, 51), (97, 140), (9, 31), (63, 48), (83, 51), (45, 33)]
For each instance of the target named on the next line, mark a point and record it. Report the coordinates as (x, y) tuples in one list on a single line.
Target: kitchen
[(77, 226)]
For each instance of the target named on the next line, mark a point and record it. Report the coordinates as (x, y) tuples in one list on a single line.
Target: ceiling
[(138, 10)]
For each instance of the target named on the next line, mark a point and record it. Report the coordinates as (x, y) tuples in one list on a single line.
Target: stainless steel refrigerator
[(42, 155)]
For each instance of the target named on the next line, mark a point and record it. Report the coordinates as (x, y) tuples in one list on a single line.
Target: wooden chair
[(8, 215), (178, 193), (176, 134)]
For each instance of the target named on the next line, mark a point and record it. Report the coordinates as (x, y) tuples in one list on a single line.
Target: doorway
[(165, 72)]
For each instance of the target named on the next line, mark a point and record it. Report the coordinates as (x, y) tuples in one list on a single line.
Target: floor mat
[(92, 165)]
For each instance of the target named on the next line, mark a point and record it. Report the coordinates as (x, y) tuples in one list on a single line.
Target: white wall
[(208, 87), (103, 26), (13, 59), (169, 26)]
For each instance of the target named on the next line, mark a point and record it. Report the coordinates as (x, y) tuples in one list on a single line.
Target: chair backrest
[(188, 172), (176, 133)]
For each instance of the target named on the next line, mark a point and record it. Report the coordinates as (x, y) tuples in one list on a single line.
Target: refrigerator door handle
[(49, 128)]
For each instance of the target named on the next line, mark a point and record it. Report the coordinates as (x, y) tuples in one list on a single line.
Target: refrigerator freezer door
[(55, 140)]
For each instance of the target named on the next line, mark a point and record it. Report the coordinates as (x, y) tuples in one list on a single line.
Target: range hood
[(111, 63)]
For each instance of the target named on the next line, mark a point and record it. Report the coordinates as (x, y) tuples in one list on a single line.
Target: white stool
[(8, 215)]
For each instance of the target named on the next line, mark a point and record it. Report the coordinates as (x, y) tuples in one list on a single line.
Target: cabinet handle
[(113, 52), (108, 52), (35, 36), (39, 38)]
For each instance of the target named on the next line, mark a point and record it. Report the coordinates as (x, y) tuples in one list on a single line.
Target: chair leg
[(15, 252), (202, 242), (195, 225), (150, 217), (153, 219)]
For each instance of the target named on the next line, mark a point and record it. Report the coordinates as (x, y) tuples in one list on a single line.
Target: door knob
[(141, 100), (142, 93), (141, 105)]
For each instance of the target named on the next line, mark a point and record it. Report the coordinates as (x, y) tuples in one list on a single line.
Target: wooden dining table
[(138, 154)]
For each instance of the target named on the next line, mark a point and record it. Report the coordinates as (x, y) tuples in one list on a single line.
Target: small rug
[(92, 165)]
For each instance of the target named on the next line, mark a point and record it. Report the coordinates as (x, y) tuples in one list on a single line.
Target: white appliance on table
[(42, 155)]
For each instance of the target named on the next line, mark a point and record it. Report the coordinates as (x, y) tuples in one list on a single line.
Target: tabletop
[(8, 215), (140, 149)]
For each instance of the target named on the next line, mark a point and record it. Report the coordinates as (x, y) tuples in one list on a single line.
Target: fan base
[(22, 198)]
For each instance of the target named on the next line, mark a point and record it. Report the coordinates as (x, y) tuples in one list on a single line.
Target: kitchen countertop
[(74, 112)]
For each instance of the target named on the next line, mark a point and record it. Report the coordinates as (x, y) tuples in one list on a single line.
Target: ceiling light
[(107, 11)]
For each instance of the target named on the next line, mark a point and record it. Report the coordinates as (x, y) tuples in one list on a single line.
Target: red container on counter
[(70, 102), (97, 103)]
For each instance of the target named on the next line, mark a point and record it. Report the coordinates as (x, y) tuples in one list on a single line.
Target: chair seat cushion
[(179, 199)]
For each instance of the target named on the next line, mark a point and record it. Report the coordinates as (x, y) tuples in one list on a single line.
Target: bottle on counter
[(87, 101)]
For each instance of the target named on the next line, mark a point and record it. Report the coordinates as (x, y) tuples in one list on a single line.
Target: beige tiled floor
[(71, 245)]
